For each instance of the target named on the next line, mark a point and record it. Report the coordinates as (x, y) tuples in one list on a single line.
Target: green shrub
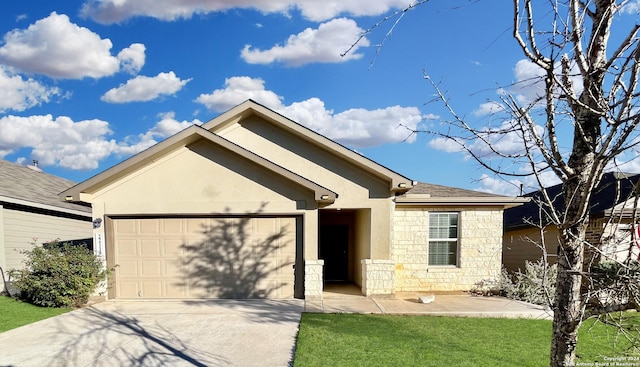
[(59, 275), (613, 283), (536, 284)]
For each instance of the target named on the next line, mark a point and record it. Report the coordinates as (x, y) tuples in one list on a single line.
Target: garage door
[(244, 257)]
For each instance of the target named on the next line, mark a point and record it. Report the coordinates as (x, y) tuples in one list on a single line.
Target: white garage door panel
[(204, 257)]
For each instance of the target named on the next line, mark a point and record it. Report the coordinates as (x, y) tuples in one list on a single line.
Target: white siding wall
[(21, 229)]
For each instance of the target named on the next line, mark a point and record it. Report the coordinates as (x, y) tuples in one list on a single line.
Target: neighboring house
[(610, 227), (252, 204), (31, 212)]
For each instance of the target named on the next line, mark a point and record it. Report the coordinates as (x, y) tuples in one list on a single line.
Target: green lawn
[(15, 313), (383, 340)]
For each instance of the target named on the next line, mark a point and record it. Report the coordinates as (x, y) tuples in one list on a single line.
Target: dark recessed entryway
[(336, 234), (334, 250)]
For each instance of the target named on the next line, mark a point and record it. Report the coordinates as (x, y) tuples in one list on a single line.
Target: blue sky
[(86, 84)]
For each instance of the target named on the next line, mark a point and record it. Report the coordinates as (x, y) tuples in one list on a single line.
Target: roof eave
[(32, 204), (506, 202)]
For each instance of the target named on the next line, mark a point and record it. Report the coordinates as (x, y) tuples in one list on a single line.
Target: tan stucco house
[(612, 231), (252, 204), (31, 213)]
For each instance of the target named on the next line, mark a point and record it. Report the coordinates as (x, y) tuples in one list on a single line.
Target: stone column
[(313, 280), (378, 277)]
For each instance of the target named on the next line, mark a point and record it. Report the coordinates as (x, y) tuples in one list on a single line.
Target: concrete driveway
[(164, 333)]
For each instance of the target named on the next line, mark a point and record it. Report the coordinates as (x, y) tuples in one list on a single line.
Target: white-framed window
[(443, 238)]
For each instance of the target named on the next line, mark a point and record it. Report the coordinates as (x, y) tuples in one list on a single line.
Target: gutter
[(6, 199), (507, 202)]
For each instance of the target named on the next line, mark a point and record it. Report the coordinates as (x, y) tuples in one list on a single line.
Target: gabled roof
[(430, 194), (21, 185), (250, 108), (614, 188), (182, 139)]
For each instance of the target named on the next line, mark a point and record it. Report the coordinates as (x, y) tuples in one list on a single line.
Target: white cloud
[(237, 90), (323, 10), (166, 127), (132, 58), (506, 139), (445, 145), (511, 186), (61, 141), (55, 47), (631, 7), (529, 86), (324, 44), (492, 145), (115, 11), (499, 185), (144, 88), (19, 94), (77, 145), (489, 108), (354, 127)]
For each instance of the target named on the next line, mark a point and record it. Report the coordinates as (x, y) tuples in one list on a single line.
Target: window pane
[(443, 252), (453, 232), (443, 225)]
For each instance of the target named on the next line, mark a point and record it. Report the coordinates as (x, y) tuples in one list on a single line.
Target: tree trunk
[(576, 191), (569, 309)]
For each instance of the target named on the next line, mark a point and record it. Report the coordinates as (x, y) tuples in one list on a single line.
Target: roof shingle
[(423, 188), (23, 183)]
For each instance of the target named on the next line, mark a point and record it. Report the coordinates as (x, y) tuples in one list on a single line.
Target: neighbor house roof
[(29, 186), (614, 188), (425, 193)]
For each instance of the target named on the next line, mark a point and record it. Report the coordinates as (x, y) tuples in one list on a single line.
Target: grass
[(613, 335), (383, 340), (14, 313)]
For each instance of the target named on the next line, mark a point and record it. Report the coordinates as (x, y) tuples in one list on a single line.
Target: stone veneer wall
[(378, 277), (479, 254), (313, 282)]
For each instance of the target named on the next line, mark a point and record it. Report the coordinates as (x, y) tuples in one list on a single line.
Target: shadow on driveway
[(167, 333)]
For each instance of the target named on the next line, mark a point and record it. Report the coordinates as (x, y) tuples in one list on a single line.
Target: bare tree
[(588, 95)]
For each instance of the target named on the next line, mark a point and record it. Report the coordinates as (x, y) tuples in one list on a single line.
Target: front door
[(334, 250)]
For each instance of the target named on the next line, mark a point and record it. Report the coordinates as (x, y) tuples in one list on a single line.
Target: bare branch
[(398, 15)]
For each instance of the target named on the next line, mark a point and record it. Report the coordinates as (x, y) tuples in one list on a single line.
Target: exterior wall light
[(402, 185), (68, 198), (324, 197)]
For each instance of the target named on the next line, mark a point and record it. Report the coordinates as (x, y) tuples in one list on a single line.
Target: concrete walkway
[(345, 300)]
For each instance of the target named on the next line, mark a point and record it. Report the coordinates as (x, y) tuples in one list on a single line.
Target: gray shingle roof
[(23, 183), (446, 191)]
